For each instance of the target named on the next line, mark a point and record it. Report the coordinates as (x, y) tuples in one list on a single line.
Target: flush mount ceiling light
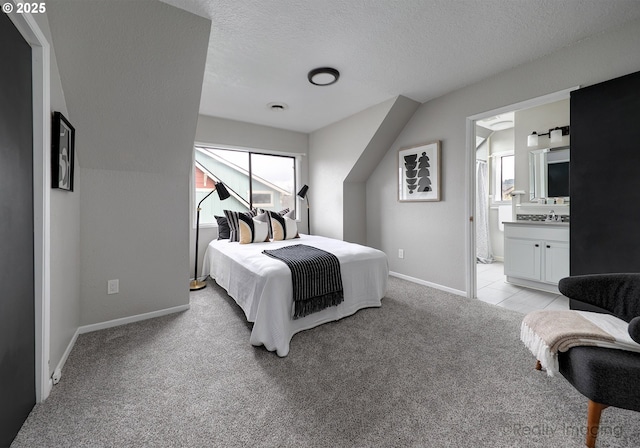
[(323, 76), (277, 107), (502, 125)]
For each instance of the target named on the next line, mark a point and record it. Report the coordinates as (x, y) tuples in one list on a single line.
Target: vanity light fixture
[(555, 135), (323, 76)]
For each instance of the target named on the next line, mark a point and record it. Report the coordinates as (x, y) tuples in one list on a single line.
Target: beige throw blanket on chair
[(547, 332)]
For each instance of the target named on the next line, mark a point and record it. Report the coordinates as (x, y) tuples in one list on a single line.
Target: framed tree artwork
[(63, 137), (419, 173)]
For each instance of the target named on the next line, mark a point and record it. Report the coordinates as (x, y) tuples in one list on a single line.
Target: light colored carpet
[(428, 369)]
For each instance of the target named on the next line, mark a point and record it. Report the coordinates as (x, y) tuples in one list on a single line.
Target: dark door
[(17, 321), (605, 179)]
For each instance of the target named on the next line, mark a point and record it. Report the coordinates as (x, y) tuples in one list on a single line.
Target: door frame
[(470, 237), (40, 58)]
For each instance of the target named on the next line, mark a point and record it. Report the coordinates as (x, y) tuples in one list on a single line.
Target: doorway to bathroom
[(499, 189)]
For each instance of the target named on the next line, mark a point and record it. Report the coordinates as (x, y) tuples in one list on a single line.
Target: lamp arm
[(195, 264), (308, 215)]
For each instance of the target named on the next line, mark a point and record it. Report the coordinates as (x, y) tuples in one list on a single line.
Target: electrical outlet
[(113, 286), (400, 253)]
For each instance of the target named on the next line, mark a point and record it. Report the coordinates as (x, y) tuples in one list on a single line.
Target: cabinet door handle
[(537, 245), (548, 247)]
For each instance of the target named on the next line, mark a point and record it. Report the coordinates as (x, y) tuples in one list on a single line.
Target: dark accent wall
[(17, 321), (605, 177)]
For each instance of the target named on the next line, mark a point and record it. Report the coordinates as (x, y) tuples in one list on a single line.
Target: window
[(255, 180), (504, 175), (263, 199)]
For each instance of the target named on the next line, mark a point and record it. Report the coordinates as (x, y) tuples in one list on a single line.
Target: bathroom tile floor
[(493, 288)]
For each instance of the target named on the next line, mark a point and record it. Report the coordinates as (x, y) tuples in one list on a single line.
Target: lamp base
[(195, 285)]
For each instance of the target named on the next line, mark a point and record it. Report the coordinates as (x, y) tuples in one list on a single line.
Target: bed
[(262, 286)]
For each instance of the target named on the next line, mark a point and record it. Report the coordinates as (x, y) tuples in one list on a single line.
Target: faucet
[(552, 216)]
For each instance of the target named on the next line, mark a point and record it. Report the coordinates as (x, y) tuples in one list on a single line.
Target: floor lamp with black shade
[(223, 194), (303, 194)]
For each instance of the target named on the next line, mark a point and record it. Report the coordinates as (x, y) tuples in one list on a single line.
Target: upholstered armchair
[(607, 377)]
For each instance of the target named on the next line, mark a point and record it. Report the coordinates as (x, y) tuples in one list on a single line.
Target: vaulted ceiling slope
[(132, 73), (261, 51)]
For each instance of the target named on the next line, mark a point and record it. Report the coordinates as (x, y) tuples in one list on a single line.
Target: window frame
[(192, 190), (496, 176), (262, 205)]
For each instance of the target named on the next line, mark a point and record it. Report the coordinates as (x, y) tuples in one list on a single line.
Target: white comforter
[(262, 285)]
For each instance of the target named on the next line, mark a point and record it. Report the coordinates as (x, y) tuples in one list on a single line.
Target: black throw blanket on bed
[(317, 282)]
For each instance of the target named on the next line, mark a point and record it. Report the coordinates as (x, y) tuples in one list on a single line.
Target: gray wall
[(539, 119), (65, 236), (333, 151), (237, 134), (132, 75), (341, 158), (433, 233)]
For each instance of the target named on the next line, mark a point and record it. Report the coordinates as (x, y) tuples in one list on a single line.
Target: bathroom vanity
[(536, 253)]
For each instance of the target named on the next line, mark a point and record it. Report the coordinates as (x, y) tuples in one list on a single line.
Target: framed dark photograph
[(419, 173), (63, 139)]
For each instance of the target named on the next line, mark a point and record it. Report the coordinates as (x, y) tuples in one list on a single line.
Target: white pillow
[(284, 228), (254, 231)]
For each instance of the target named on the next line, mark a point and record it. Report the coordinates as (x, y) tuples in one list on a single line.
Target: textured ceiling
[(261, 51)]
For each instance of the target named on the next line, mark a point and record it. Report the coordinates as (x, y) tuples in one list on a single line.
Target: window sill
[(496, 204), (207, 226)]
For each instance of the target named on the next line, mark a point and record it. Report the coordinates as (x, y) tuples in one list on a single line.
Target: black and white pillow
[(284, 226), (253, 230), (233, 220), (268, 212)]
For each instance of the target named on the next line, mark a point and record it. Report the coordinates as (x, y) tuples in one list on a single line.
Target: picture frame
[(63, 139), (419, 173)]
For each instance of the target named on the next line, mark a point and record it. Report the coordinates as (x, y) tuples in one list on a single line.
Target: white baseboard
[(426, 283), (131, 319), (57, 373), (533, 284)]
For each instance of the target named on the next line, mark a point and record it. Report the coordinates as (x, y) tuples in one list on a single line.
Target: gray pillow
[(224, 232)]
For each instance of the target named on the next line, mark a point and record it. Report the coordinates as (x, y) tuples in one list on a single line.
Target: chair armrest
[(634, 329), (616, 293)]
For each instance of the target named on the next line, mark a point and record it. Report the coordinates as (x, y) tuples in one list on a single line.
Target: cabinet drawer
[(537, 232)]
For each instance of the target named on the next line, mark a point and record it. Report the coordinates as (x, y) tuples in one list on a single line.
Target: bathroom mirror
[(549, 173)]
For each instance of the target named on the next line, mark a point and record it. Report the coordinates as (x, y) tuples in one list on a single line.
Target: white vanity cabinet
[(536, 254)]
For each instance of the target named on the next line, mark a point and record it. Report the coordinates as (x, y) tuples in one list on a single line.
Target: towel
[(547, 332)]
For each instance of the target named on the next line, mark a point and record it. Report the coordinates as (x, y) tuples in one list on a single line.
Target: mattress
[(262, 286)]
